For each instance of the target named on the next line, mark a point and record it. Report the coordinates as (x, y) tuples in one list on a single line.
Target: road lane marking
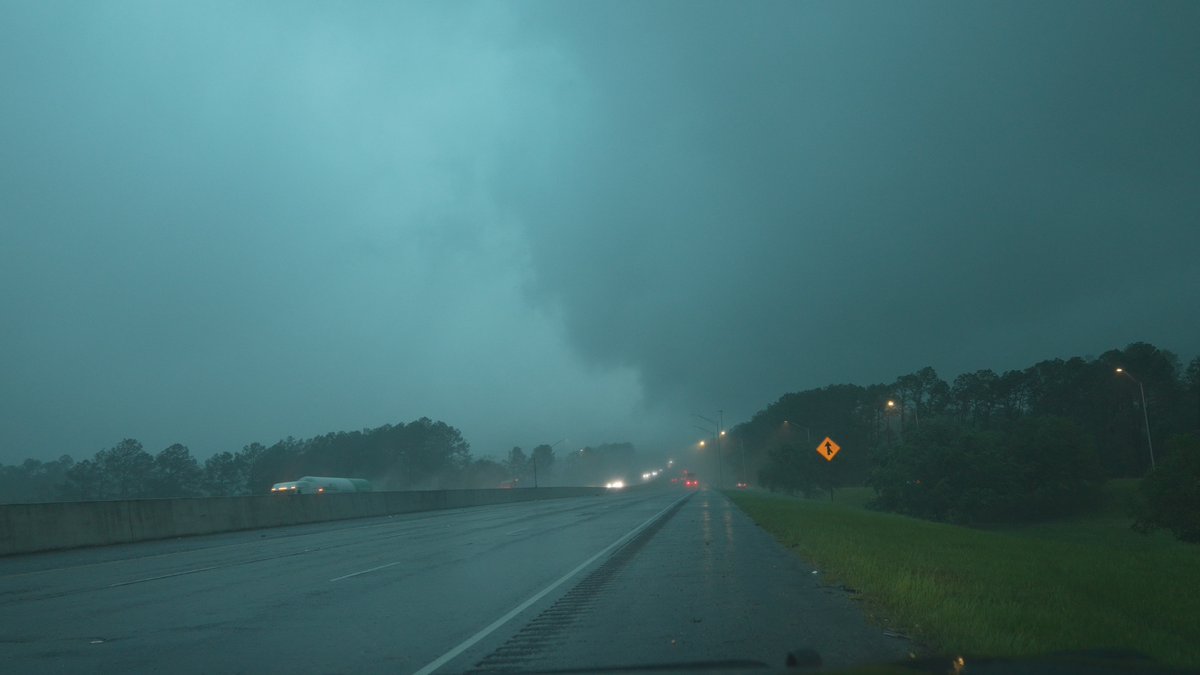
[(354, 574), (491, 628), (163, 576), (410, 519)]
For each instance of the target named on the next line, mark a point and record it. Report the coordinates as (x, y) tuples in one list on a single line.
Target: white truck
[(316, 485)]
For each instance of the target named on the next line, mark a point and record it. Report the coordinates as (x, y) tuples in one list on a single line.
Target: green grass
[(853, 496), (1079, 584)]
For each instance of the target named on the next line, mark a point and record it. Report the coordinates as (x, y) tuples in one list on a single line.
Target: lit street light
[(899, 408), (1145, 416), (717, 432)]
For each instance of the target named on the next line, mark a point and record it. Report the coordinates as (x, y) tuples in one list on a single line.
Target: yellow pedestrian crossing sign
[(828, 449)]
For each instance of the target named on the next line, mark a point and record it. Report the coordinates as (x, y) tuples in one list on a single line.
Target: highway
[(644, 577)]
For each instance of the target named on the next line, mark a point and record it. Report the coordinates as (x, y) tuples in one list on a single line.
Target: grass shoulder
[(1083, 583)]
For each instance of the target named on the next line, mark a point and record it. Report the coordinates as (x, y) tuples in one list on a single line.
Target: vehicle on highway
[(315, 485)]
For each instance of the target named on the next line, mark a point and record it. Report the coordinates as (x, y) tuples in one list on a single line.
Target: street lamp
[(717, 432), (807, 431), (1145, 416), (893, 405)]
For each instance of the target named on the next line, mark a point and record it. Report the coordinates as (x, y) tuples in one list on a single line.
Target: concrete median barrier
[(28, 528)]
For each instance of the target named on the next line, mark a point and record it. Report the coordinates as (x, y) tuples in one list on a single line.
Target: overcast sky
[(226, 223)]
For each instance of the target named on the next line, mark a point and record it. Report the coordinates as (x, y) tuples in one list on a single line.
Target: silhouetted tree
[(542, 459), (126, 469), (1038, 467), (278, 463), (516, 462), (84, 482), (1192, 378), (176, 474), (973, 397), (33, 480), (1170, 495), (1105, 406), (226, 475), (484, 473), (435, 452)]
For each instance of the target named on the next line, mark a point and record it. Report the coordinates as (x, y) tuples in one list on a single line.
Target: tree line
[(589, 465), (986, 446), (423, 454)]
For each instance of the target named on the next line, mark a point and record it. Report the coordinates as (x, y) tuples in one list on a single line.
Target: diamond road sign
[(828, 449)]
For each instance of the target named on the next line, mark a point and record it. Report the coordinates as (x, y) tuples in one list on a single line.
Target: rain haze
[(223, 223)]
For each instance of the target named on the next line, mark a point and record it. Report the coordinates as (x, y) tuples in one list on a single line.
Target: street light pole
[(807, 431), (717, 433), (899, 408), (1145, 415), (720, 433), (1146, 421)]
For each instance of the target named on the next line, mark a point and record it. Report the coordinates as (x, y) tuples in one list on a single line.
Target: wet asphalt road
[(645, 577)]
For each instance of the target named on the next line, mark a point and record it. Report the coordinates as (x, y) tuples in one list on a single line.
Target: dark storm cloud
[(755, 200), (227, 223)]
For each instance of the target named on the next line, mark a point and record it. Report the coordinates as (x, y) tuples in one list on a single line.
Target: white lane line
[(516, 531), (470, 642), (164, 576), (354, 574), (331, 527)]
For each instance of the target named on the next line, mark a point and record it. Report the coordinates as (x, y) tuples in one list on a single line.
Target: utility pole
[(807, 431), (1145, 416), (1146, 420), (720, 432), (717, 432), (533, 458)]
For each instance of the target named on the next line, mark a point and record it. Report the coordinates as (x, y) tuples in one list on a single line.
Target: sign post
[(828, 449)]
